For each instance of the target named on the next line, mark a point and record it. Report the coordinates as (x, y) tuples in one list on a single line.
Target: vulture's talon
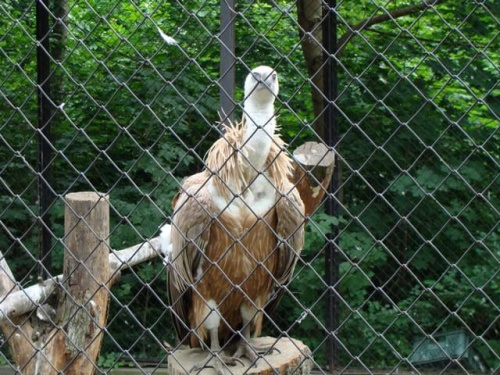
[(254, 353), (271, 350), (267, 350), (218, 362)]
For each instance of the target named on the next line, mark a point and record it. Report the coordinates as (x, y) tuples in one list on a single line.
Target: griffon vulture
[(237, 231)]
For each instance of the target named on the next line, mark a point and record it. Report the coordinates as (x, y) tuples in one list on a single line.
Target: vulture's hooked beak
[(264, 85), (265, 82)]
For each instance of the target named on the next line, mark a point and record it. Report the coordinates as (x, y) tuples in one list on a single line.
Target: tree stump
[(314, 164), (291, 357), (73, 344)]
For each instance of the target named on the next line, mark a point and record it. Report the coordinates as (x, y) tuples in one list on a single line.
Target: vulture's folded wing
[(191, 222), (290, 232)]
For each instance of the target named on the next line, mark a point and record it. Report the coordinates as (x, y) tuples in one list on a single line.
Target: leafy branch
[(376, 19)]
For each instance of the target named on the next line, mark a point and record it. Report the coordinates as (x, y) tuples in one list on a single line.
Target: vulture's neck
[(260, 126)]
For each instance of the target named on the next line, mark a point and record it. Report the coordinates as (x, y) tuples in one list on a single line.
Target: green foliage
[(419, 242)]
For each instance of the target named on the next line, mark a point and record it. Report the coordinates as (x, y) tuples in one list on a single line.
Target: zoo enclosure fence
[(406, 93)]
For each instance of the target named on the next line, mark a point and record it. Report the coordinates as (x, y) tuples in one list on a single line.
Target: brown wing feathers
[(190, 234)]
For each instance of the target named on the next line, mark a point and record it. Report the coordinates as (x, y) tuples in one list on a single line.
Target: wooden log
[(291, 357), (19, 302), (134, 255), (73, 346), (18, 330), (314, 164), (85, 274)]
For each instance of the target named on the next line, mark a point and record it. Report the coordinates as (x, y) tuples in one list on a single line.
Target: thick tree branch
[(376, 19), (26, 300), (18, 332)]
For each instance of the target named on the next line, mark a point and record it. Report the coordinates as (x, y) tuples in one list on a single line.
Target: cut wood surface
[(292, 357), (314, 164)]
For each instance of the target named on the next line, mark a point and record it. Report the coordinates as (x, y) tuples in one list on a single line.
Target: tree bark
[(18, 330), (310, 16), (73, 345)]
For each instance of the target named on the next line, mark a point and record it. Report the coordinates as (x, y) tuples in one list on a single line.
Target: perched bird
[(237, 231)]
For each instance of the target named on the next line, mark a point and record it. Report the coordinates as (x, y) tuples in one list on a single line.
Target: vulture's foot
[(219, 363), (252, 352)]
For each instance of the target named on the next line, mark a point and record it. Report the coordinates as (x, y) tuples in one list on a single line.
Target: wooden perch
[(84, 306), (72, 340), (289, 357), (67, 338), (134, 255), (37, 345), (18, 331), (23, 301), (314, 164)]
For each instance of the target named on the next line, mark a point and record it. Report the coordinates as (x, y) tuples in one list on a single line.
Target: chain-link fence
[(399, 270)]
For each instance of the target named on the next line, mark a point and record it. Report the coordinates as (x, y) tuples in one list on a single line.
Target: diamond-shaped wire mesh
[(135, 109)]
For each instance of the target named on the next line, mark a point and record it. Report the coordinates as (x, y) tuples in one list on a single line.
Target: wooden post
[(73, 347), (85, 275), (314, 164)]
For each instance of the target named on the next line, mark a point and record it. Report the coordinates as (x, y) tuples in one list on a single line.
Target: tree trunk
[(310, 16)]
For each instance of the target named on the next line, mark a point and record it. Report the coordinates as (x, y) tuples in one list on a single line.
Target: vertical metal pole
[(329, 29), (227, 59), (44, 150)]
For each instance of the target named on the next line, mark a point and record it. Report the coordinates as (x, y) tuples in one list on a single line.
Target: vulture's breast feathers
[(235, 186)]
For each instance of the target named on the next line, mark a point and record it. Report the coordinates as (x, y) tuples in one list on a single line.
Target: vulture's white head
[(261, 86)]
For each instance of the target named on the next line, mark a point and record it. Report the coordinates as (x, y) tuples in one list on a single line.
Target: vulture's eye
[(274, 76), (257, 76)]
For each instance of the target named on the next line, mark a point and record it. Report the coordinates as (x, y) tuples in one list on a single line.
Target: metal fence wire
[(399, 269)]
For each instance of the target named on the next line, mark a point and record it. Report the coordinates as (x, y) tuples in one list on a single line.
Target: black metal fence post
[(44, 150), (329, 29), (227, 59)]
